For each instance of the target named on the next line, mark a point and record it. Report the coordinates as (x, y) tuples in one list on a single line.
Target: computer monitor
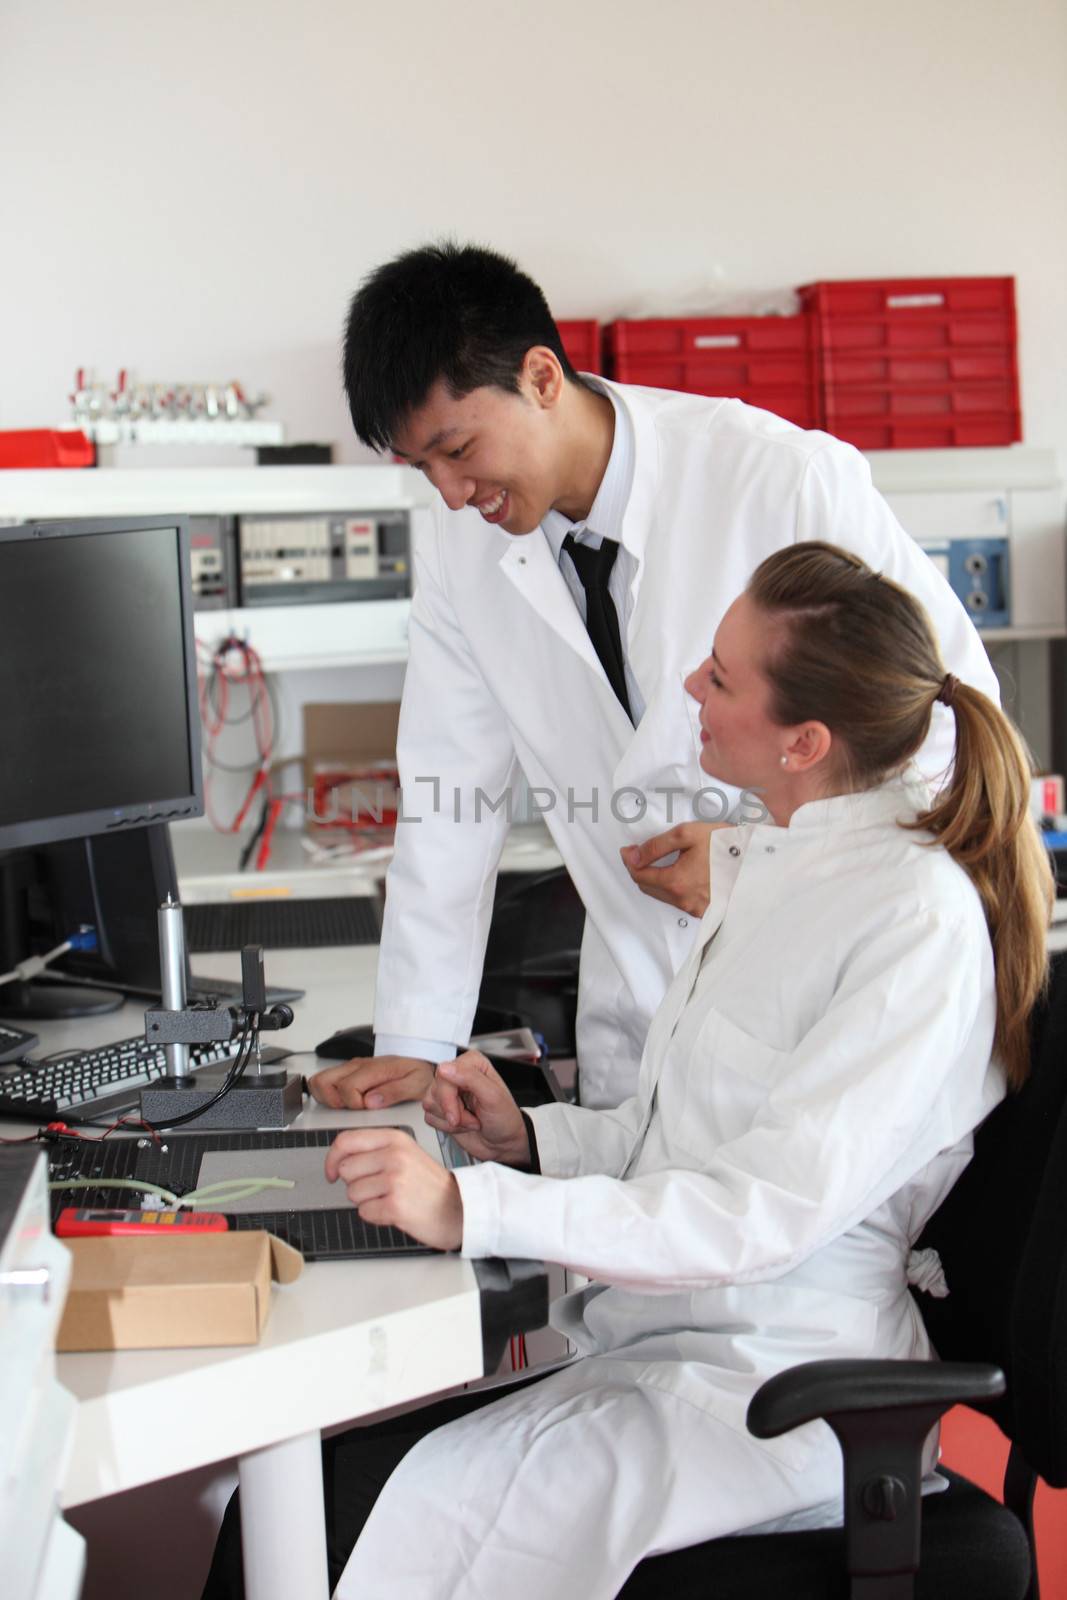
[(101, 730)]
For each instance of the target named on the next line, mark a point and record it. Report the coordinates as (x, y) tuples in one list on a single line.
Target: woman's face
[(741, 745)]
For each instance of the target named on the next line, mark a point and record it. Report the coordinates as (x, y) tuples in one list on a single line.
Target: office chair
[(1002, 1334)]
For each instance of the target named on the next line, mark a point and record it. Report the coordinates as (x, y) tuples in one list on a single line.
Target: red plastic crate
[(930, 434), (899, 401), (765, 361), (913, 363), (923, 366), (913, 333), (581, 341), (45, 447), (925, 298)]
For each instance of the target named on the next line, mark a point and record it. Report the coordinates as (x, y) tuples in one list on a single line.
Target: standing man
[(588, 538)]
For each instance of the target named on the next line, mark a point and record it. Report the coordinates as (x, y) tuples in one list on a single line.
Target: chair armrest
[(881, 1412), (823, 1388)]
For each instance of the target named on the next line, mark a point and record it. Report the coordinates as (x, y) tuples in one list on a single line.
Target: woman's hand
[(470, 1100), (392, 1183), (683, 882)]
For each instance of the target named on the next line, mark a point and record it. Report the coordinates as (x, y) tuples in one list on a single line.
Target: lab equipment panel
[(979, 571), (213, 558), (287, 559), (975, 503)]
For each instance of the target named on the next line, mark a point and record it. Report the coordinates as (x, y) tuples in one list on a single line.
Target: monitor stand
[(47, 997), (53, 1002)]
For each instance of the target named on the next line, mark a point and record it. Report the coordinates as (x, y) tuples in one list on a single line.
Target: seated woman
[(856, 1004)]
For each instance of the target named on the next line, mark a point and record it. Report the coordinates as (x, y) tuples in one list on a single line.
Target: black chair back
[(537, 925), (531, 957), (1002, 1238)]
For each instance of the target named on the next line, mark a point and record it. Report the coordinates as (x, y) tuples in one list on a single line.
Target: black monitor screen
[(100, 729)]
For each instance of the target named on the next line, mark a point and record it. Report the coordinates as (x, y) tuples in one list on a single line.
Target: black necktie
[(601, 619)]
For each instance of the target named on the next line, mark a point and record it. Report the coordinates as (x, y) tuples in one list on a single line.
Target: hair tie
[(947, 692)]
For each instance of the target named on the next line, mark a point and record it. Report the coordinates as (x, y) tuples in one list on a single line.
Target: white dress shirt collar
[(605, 519)]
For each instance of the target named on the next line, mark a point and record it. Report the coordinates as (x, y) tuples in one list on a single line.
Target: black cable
[(246, 850), (244, 1056)]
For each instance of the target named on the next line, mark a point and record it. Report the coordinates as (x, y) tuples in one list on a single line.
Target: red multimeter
[(75, 1224)]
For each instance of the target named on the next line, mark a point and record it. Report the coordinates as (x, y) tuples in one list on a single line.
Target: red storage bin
[(46, 447), (948, 434), (581, 341), (913, 363), (766, 361)]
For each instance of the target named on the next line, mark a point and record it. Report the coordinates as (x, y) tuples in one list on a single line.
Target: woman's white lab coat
[(502, 673), (806, 1099)]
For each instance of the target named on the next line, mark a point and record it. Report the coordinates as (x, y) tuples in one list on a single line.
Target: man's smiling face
[(490, 449)]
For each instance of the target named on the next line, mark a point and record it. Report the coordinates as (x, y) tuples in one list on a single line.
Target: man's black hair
[(449, 311)]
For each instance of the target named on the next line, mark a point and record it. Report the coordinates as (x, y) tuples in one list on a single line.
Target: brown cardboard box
[(356, 739), (171, 1292)]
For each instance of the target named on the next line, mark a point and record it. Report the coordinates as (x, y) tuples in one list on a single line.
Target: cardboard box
[(166, 1293), (350, 767)]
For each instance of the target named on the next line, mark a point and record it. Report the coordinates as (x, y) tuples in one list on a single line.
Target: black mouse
[(348, 1042)]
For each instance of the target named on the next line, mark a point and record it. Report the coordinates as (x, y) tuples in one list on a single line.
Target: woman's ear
[(809, 745)]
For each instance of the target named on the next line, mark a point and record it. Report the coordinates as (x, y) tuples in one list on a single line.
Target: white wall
[(194, 190)]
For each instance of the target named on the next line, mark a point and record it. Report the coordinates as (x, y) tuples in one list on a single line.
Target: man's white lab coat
[(806, 1100), (502, 673)]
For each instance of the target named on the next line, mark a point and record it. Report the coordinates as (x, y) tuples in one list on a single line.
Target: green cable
[(229, 1183), (232, 1189), (116, 1183)]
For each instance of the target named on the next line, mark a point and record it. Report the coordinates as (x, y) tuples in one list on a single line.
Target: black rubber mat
[(318, 1235), (282, 924)]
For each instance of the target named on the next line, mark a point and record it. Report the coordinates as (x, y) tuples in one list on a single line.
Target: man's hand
[(392, 1183), (368, 1082), (470, 1100), (684, 882)]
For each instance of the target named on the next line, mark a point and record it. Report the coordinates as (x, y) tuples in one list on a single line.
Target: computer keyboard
[(15, 1042), (93, 1083)]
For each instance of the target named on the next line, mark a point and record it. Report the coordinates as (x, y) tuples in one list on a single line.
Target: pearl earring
[(785, 761)]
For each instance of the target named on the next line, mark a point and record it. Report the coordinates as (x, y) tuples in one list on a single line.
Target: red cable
[(250, 675)]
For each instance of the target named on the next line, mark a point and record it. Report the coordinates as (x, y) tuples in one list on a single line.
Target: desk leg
[(283, 1524)]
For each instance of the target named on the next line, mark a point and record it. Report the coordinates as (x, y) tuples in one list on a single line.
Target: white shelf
[(205, 491), (349, 633), (167, 430), (1019, 635), (922, 471)]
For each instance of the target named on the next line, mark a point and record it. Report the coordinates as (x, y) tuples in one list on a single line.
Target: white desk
[(345, 1341)]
